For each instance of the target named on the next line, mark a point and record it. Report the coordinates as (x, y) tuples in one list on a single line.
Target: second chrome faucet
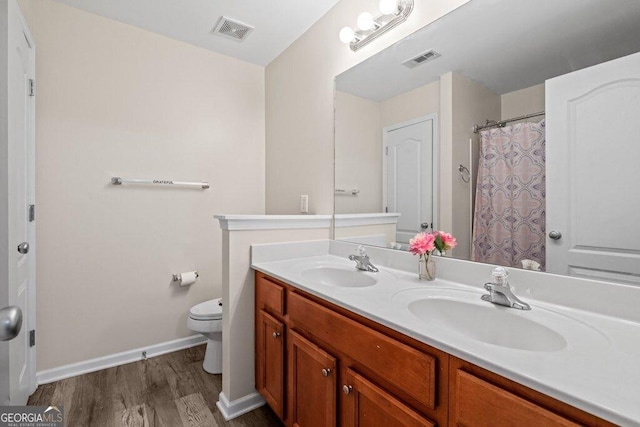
[(500, 291), (362, 260)]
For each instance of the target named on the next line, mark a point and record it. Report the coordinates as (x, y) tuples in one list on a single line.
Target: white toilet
[(206, 318)]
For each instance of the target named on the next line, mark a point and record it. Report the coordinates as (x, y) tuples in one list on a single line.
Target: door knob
[(424, 225), (346, 389), (326, 372), (555, 235), (23, 248), (276, 334), (10, 322)]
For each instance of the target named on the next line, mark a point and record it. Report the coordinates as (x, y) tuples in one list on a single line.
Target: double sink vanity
[(340, 346)]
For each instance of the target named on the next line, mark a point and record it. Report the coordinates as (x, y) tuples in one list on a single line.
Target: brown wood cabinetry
[(480, 402), (312, 384), (409, 372), (367, 405), (478, 397), (270, 343), (318, 364), (388, 376), (270, 352)]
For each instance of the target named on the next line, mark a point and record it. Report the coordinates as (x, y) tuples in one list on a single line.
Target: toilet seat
[(208, 310)]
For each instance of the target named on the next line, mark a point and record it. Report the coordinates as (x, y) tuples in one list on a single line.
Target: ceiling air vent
[(231, 29), (421, 59)]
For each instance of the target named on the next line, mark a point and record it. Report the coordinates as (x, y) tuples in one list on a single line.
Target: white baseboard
[(104, 362), (231, 410)]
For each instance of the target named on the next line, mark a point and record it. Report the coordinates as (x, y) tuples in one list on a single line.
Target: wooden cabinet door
[(478, 403), (270, 361), (312, 384), (365, 404)]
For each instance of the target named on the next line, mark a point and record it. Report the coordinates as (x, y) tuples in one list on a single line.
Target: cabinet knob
[(347, 389), (276, 334), (326, 372)]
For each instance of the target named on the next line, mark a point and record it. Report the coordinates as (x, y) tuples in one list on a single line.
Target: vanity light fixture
[(366, 22), (392, 13)]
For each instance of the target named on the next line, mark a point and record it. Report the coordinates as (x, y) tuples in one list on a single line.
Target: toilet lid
[(208, 310)]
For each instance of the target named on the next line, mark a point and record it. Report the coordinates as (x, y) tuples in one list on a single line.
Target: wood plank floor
[(170, 390)]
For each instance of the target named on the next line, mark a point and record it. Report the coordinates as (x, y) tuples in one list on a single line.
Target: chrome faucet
[(362, 260), (500, 292)]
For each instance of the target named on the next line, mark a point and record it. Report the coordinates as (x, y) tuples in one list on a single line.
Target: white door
[(409, 175), (18, 284), (593, 149)]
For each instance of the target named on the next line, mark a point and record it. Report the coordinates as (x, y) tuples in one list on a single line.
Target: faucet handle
[(361, 251), (499, 275)]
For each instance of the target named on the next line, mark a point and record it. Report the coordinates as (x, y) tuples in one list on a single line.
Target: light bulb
[(388, 7), (365, 21), (347, 35)]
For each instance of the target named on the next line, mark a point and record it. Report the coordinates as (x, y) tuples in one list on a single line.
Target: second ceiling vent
[(421, 59), (232, 29)]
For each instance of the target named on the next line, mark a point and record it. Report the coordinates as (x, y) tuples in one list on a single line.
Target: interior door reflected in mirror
[(506, 133)]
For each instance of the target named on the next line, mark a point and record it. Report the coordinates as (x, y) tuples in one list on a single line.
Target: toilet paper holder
[(178, 277)]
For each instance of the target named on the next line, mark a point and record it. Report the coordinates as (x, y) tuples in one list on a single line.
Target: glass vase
[(427, 268)]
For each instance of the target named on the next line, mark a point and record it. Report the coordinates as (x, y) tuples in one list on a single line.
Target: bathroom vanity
[(324, 358), (318, 364)]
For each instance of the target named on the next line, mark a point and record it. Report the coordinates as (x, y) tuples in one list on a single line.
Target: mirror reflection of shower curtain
[(509, 218)]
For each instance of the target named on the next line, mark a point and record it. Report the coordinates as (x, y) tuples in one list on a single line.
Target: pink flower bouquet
[(424, 244)]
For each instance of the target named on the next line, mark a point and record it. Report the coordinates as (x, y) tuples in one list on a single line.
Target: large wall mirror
[(511, 124)]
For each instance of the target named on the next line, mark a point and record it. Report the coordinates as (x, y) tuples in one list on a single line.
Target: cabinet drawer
[(480, 403), (269, 295), (407, 370)]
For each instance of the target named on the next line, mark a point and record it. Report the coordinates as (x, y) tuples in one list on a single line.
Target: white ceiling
[(503, 44), (277, 22)]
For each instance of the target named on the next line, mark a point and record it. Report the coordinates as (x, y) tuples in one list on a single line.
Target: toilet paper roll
[(188, 278)]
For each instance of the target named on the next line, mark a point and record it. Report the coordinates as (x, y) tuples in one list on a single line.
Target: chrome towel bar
[(353, 192), (116, 180)]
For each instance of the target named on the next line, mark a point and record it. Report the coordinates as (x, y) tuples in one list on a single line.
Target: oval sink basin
[(331, 276), (490, 324), (449, 312)]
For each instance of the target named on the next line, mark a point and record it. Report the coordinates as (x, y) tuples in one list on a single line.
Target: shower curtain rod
[(502, 123)]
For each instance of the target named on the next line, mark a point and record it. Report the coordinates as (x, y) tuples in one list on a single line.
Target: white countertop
[(598, 370)]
